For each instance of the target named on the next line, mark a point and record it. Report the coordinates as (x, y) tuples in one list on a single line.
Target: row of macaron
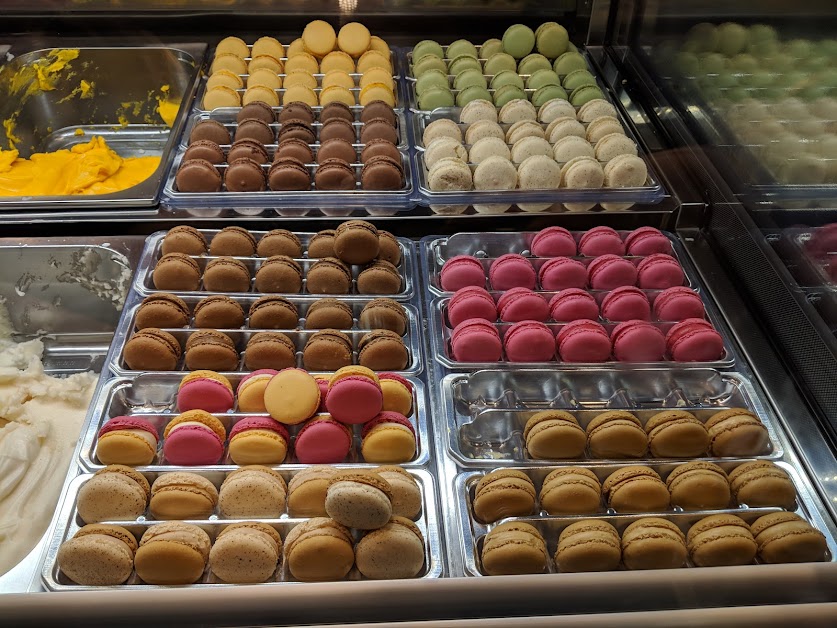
[(353, 242), (336, 87), (276, 274), (153, 349), (632, 489), (657, 271), (476, 340), (619, 305), (218, 311), (517, 547), (479, 111), (619, 434)]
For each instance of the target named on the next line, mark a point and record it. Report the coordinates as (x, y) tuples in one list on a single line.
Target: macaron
[(503, 493), (327, 350), (322, 440), (511, 271), (406, 495), (638, 341), (356, 242), (514, 548), (517, 304), (694, 340), (636, 489), (785, 537), (182, 495), (471, 302), (601, 241), (383, 313), (267, 349), (653, 543), (676, 434), (205, 390), (608, 272), (279, 273), (721, 540), (329, 314), (571, 491), (518, 40), (226, 274), (194, 438), (208, 349), (647, 241), (562, 273), (388, 438), (213, 131), (478, 110), (555, 108), (737, 432), (461, 271), (379, 277), (529, 341), (319, 550), (279, 242), (678, 303), (762, 483), (553, 242), (308, 489), (172, 552), (383, 350), (476, 340), (659, 271), (573, 304), (626, 303), (258, 440), (359, 500), (554, 435), (234, 241), (397, 392), (116, 492), (354, 395), (151, 349), (328, 275), (185, 239), (252, 491), (246, 553), (393, 551), (250, 391), (616, 434), (292, 396), (583, 341), (218, 311), (127, 440), (176, 271), (588, 545), (98, 555), (699, 485)]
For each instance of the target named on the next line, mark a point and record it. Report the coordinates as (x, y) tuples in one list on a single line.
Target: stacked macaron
[(503, 70), (333, 149), (321, 67), (384, 504), (525, 148)]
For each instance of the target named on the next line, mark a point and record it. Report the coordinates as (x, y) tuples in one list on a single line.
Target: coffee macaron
[(762, 483), (785, 537), (514, 548), (246, 552), (616, 434), (253, 491), (162, 310), (737, 432), (308, 489), (699, 485), (503, 493), (636, 489), (653, 543), (721, 540), (554, 435), (571, 491), (98, 555), (588, 545), (676, 434), (359, 500), (115, 493)]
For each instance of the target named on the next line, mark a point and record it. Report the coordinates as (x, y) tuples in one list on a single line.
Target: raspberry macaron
[(194, 438), (638, 341), (522, 304), (560, 273), (601, 241), (471, 302), (659, 271), (354, 395), (205, 390), (607, 272), (476, 340), (554, 242), (322, 440), (512, 271), (573, 304), (460, 271), (647, 241), (678, 303), (694, 340), (626, 303), (583, 341), (529, 341)]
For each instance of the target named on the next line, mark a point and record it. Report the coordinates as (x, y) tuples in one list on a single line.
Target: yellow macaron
[(234, 46), (373, 59), (221, 96), (268, 46), (300, 77), (376, 43), (228, 61), (354, 39), (300, 93), (337, 93), (225, 78), (319, 38), (377, 75), (264, 78), (377, 91), (259, 93), (295, 47), (338, 78), (302, 61), (337, 60), (265, 61)]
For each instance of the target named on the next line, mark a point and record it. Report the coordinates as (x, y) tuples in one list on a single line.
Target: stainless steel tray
[(69, 523), (143, 282), (153, 397), (485, 411), (50, 120), (473, 532)]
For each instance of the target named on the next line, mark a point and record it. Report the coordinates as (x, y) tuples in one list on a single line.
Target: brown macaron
[(721, 540), (329, 276), (676, 434), (98, 555), (297, 129), (211, 130), (389, 249), (379, 277), (176, 271), (377, 109), (273, 312), (279, 273), (279, 242), (336, 148), (616, 434), (289, 175), (571, 491), (327, 350), (338, 128), (294, 148), (211, 350), (380, 148), (245, 175), (785, 537), (514, 548), (162, 310), (329, 314), (248, 149), (255, 129), (636, 489), (336, 110), (334, 174), (269, 350), (296, 111), (321, 244), (226, 274), (383, 350), (234, 242), (653, 543), (258, 110), (197, 176), (356, 242), (384, 314), (588, 545), (152, 349), (554, 435), (382, 173), (378, 129), (503, 493), (184, 239), (762, 483), (699, 485), (737, 432), (218, 311), (206, 150)]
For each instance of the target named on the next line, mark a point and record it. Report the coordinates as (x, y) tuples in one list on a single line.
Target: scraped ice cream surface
[(40, 421)]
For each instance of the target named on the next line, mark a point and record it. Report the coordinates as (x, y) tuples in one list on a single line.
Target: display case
[(724, 151)]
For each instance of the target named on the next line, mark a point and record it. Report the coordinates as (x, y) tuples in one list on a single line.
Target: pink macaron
[(322, 384), (694, 340), (638, 341), (192, 445), (529, 341), (512, 271), (476, 340), (625, 304), (471, 302), (659, 271), (385, 417), (560, 273), (354, 399), (322, 440), (677, 304), (128, 423), (522, 304), (554, 242), (259, 423), (212, 393), (461, 271), (647, 241), (583, 341), (572, 305), (607, 272), (601, 241)]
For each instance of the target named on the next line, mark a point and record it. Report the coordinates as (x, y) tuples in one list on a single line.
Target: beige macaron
[(319, 550), (593, 109), (582, 172), (406, 495), (572, 146), (616, 434), (182, 495), (394, 551), (613, 145), (528, 146), (253, 491), (653, 543), (482, 129), (450, 174), (524, 128), (625, 171), (721, 540), (504, 493), (442, 127), (601, 126), (554, 435), (555, 108), (478, 110), (636, 489), (444, 147), (495, 173), (571, 491), (588, 545), (359, 500), (98, 555), (116, 493), (486, 147), (514, 548), (172, 552), (246, 553), (699, 485), (564, 127), (518, 109)]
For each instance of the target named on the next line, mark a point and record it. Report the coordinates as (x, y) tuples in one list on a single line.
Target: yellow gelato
[(91, 168)]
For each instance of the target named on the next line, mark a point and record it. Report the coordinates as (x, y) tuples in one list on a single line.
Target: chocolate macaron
[(298, 129), (337, 127), (336, 148), (162, 310), (152, 349), (380, 147), (279, 242), (336, 110), (294, 148), (245, 175), (197, 176), (382, 173), (249, 149), (329, 276), (184, 239), (296, 111), (210, 349), (334, 174), (255, 129), (377, 109), (234, 241), (273, 312), (380, 277), (289, 175), (226, 274), (176, 271), (321, 244), (269, 350), (279, 273), (211, 130), (378, 129), (256, 109), (206, 150)]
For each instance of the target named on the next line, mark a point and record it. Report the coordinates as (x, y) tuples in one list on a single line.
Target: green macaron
[(539, 78), (518, 40), (568, 62), (428, 62), (732, 38), (499, 62), (702, 37), (470, 78), (507, 93), (462, 47), (490, 47), (431, 78), (585, 94), (531, 63), (547, 93), (506, 77), (712, 63), (577, 78), (462, 63), (428, 47), (474, 92), (551, 39), (436, 97)]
